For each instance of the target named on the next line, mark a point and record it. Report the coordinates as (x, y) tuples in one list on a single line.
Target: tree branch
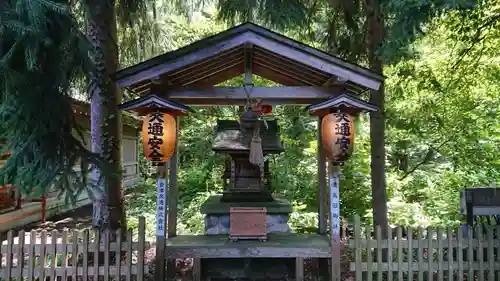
[(477, 38), (427, 158)]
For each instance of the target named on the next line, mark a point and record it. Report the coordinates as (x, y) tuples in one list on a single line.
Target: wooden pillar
[(173, 194), (334, 178), (173, 189), (161, 220), (44, 208), (299, 269), (470, 214), (323, 265), (322, 203), (196, 273)]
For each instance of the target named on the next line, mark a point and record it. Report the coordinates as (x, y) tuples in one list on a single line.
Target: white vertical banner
[(334, 178), (161, 206), (335, 204)]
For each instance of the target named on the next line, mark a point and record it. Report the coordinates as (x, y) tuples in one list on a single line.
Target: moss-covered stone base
[(214, 206), (217, 214)]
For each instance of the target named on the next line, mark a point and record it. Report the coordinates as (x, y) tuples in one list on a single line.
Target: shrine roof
[(220, 57)]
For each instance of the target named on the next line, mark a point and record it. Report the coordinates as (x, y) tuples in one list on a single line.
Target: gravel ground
[(80, 218)]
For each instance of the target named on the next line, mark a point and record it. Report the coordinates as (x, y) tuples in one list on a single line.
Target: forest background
[(443, 131), (442, 105)]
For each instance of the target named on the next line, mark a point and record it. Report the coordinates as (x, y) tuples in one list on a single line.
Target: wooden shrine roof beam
[(238, 95), (268, 47)]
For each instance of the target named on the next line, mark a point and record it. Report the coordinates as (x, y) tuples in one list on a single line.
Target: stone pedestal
[(217, 214)]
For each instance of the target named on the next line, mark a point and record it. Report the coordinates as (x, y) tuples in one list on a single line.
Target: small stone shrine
[(245, 184)]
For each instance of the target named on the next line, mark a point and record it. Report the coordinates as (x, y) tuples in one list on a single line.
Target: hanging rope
[(256, 155)]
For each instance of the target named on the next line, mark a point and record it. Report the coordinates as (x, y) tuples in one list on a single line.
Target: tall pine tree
[(44, 44), (43, 53)]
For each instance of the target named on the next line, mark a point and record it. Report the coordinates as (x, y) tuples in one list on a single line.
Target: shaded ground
[(78, 218)]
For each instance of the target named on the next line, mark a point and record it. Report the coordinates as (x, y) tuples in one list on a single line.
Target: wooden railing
[(430, 254), (59, 255)]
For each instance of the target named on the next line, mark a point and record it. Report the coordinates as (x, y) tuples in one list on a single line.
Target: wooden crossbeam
[(238, 95), (334, 80)]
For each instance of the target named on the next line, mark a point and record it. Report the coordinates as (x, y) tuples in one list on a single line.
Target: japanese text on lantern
[(335, 206), (155, 133), (160, 210), (343, 130)]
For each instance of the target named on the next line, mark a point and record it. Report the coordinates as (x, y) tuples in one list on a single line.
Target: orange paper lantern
[(337, 135), (158, 136)]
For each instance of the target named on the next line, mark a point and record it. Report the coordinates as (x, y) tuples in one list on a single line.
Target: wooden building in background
[(15, 211)]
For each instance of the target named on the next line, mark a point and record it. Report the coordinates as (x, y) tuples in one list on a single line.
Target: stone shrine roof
[(229, 138)]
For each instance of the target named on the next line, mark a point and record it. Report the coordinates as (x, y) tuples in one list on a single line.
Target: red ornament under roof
[(266, 109)]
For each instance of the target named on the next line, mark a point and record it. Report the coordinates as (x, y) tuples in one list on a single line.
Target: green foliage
[(275, 13), (44, 59), (43, 53), (442, 130), (141, 201), (191, 221), (443, 114), (303, 221), (442, 102), (405, 20), (294, 171)]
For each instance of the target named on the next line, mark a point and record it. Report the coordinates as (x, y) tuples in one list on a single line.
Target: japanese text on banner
[(335, 205), (160, 210)]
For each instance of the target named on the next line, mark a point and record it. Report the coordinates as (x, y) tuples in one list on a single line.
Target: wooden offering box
[(248, 223)]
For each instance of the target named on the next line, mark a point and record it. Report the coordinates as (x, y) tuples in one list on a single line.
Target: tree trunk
[(106, 125), (375, 25)]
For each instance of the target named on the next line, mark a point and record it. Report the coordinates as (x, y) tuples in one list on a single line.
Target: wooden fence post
[(440, 254), (130, 240), (369, 254), (31, 257), (64, 256), (470, 252), (449, 236), (409, 238), (491, 271), (460, 258), (357, 251), (85, 252), (378, 235), (97, 239), (24, 259), (420, 253), (118, 253), (480, 254), (400, 252), (10, 241), (20, 254), (389, 255), (74, 253), (43, 255), (106, 254)]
